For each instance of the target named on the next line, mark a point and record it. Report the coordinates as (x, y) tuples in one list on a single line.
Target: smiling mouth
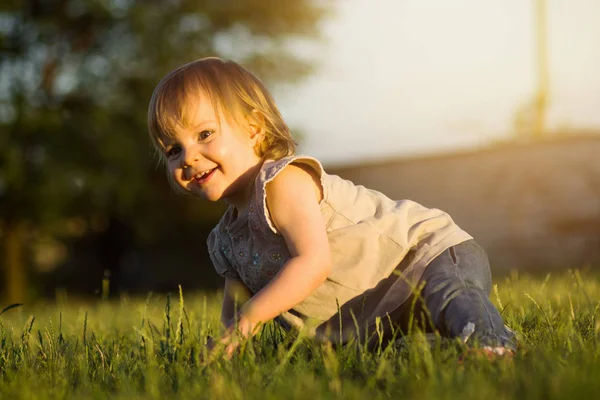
[(204, 176)]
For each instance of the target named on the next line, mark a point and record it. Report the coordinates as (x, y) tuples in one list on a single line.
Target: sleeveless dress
[(379, 246)]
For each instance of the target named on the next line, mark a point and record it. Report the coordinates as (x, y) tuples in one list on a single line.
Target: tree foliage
[(75, 81)]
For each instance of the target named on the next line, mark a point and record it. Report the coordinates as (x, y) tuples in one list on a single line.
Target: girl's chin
[(227, 196), (207, 196)]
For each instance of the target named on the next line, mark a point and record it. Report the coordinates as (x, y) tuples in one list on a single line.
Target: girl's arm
[(234, 296), (293, 199)]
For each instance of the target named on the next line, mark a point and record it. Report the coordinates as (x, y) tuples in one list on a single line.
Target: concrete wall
[(531, 206)]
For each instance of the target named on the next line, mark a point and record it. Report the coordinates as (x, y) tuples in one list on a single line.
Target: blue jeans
[(456, 293)]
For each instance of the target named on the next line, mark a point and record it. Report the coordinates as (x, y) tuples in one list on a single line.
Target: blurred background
[(487, 110)]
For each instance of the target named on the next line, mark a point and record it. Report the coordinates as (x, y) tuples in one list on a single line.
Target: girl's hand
[(234, 335), (227, 342)]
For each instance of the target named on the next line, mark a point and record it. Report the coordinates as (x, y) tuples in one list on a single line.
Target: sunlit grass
[(154, 348)]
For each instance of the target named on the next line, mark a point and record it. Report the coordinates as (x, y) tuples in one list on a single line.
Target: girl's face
[(214, 159)]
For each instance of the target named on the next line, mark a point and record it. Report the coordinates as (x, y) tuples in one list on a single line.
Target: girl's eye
[(205, 135), (173, 151)]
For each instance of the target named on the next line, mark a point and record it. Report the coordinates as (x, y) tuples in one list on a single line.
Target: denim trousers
[(455, 294)]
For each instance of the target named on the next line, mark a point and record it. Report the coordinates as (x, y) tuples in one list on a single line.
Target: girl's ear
[(256, 126)]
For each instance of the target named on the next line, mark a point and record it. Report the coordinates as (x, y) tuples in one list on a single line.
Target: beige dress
[(379, 247)]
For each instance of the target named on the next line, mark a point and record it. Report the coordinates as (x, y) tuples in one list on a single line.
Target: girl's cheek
[(172, 167), (174, 173)]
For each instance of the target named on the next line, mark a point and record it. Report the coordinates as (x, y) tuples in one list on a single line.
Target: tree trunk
[(14, 267)]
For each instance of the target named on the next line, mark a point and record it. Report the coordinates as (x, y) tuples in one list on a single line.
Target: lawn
[(153, 347)]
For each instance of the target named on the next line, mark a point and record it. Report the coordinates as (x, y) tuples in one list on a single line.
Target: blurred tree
[(76, 77)]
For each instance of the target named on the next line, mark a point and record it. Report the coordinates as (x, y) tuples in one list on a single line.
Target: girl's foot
[(496, 343), (486, 352)]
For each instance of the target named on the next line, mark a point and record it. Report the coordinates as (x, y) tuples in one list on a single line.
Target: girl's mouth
[(203, 177)]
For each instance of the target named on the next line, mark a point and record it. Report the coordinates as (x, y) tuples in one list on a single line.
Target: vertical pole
[(541, 98)]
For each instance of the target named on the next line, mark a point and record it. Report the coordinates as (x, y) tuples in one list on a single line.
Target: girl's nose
[(189, 158)]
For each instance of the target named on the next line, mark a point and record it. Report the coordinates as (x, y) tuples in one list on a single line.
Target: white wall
[(533, 206)]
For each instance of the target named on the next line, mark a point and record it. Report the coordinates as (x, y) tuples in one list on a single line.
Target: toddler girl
[(312, 250)]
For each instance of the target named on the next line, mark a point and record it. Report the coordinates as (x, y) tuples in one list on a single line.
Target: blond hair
[(232, 90)]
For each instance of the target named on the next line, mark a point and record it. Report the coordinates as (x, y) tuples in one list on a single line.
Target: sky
[(408, 77)]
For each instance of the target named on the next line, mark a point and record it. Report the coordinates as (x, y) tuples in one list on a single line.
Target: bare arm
[(293, 200), (234, 296)]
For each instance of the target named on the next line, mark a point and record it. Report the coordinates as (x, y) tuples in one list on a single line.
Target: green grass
[(154, 348)]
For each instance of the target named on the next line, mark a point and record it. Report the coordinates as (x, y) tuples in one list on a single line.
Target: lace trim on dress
[(271, 171)]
